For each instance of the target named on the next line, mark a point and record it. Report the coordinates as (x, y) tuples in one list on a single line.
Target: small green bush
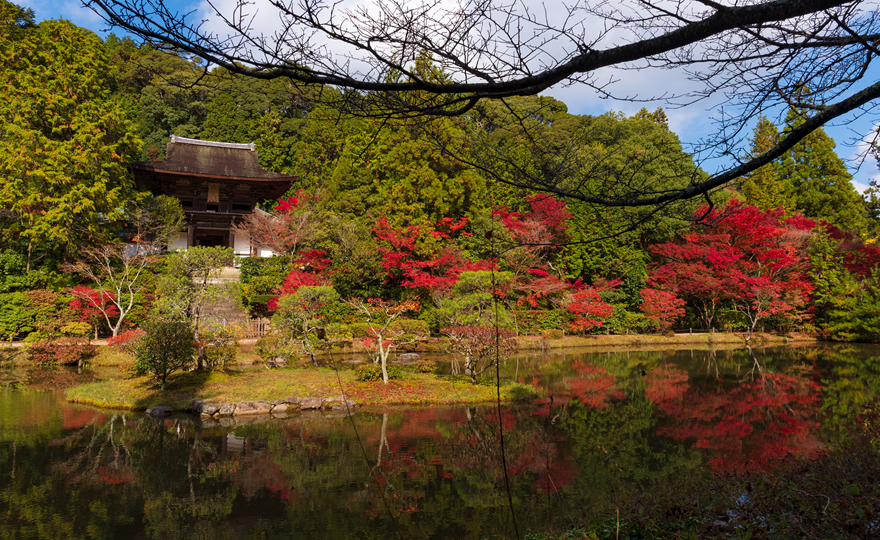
[(217, 358), (373, 372), (425, 366), (166, 347), (266, 347)]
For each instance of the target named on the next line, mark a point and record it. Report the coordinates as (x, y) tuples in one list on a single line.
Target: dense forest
[(421, 214)]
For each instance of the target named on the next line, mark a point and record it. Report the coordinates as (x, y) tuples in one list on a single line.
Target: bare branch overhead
[(755, 55)]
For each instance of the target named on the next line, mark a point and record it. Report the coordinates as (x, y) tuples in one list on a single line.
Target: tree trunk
[(200, 362), (384, 368)]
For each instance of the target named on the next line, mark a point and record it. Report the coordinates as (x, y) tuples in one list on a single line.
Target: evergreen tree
[(872, 204), (832, 283), (764, 187), (64, 142), (15, 21), (817, 179)]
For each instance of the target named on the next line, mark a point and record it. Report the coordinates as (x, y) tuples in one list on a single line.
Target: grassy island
[(140, 393)]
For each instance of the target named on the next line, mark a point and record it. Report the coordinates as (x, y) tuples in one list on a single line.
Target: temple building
[(217, 184)]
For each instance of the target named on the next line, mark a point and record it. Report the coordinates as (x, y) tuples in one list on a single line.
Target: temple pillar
[(190, 236)]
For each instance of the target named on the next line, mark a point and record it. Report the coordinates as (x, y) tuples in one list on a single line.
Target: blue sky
[(690, 123)]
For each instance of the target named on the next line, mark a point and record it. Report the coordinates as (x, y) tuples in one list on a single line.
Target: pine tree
[(872, 204), (817, 179), (765, 187), (833, 286)]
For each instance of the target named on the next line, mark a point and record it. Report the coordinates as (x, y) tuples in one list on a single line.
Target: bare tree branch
[(754, 56)]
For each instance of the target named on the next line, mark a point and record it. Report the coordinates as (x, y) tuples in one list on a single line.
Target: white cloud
[(864, 159), (72, 10)]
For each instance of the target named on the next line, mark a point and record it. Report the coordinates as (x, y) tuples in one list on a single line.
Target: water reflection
[(616, 430)]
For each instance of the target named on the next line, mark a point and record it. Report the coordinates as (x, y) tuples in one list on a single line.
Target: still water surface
[(620, 427)]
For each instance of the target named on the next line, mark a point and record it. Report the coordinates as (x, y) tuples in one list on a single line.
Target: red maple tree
[(93, 306), (662, 307), (751, 259), (588, 308), (294, 223), (429, 265)]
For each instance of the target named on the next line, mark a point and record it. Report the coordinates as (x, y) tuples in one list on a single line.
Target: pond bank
[(141, 393), (679, 341)]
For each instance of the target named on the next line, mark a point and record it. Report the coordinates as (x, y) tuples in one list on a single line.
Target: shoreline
[(241, 384), (326, 384)]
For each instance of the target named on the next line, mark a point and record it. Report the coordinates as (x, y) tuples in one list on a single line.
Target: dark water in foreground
[(611, 434)]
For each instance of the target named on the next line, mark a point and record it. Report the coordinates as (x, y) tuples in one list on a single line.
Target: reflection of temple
[(217, 184)]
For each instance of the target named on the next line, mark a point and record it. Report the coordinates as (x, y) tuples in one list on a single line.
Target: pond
[(619, 433)]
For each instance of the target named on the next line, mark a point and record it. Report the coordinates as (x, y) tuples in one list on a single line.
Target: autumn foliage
[(662, 307), (752, 260)]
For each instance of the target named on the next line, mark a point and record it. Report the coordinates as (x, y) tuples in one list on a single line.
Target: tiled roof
[(213, 158)]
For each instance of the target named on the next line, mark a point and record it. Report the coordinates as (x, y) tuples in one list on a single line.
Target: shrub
[(267, 347), (220, 346), (373, 372), (165, 348), (124, 340), (273, 348), (553, 334), (217, 358), (63, 351), (76, 329), (425, 366)]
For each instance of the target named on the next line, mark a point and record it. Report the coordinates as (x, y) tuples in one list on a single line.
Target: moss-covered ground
[(234, 386)]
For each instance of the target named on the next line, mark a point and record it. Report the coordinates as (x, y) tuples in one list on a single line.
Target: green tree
[(833, 285), (855, 316), (303, 315), (817, 180), (170, 99), (764, 187), (471, 302), (167, 346), (872, 202), (15, 21), (65, 140), (189, 285)]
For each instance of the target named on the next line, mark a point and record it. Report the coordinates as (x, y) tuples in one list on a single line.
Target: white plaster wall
[(242, 245), (179, 242)]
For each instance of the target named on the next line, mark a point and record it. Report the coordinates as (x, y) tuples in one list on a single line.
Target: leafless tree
[(281, 233), (117, 268), (753, 55)]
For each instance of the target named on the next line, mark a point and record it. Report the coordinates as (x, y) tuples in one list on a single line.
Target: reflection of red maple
[(595, 386), (745, 428), (75, 419), (665, 388), (541, 456), (113, 475)]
